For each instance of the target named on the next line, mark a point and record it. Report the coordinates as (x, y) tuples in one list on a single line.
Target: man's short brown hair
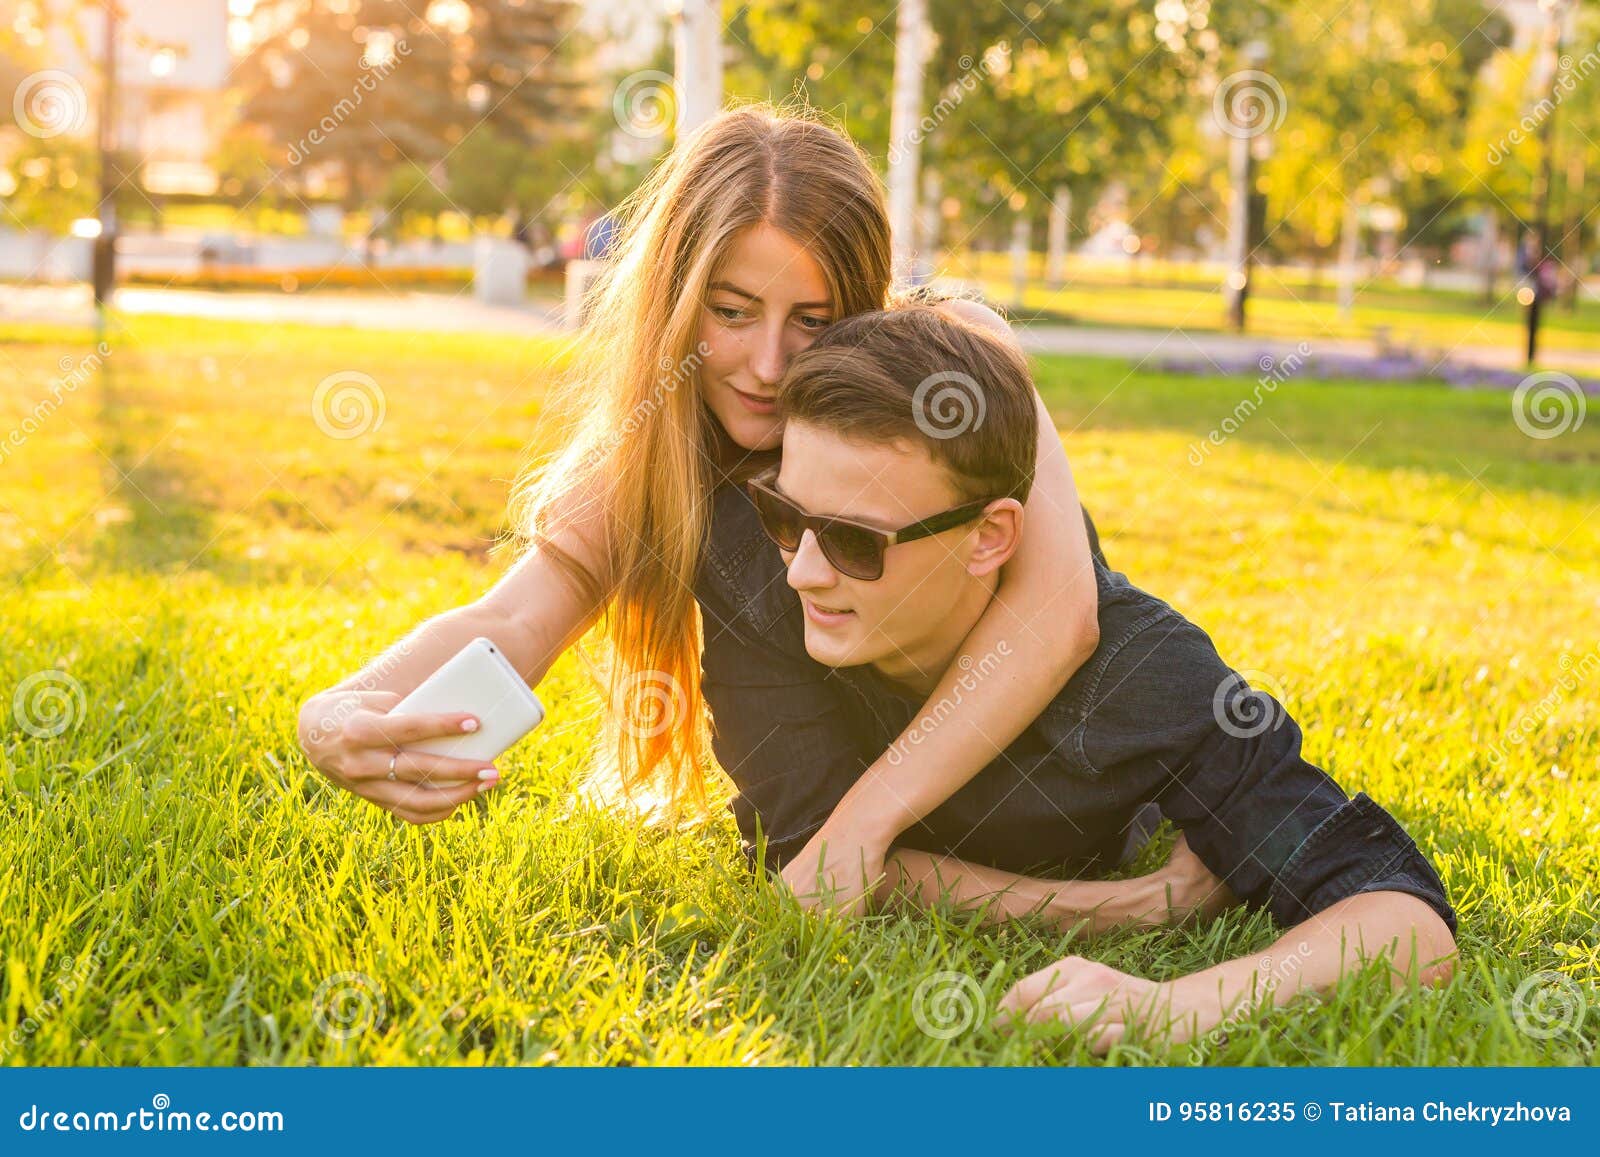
[(914, 374)]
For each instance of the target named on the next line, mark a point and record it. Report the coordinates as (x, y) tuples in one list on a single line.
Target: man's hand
[(1086, 994), (836, 869), (1189, 890)]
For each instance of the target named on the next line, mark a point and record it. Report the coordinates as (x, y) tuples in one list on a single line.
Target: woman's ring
[(392, 758)]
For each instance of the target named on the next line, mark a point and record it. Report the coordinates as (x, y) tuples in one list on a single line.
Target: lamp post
[(1542, 267), (1241, 180), (697, 61), (103, 260)]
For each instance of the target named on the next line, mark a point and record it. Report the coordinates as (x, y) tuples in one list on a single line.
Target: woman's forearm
[(1092, 906), (532, 614), (1042, 625)]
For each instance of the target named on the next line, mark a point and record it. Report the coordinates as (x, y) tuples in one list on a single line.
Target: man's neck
[(918, 670)]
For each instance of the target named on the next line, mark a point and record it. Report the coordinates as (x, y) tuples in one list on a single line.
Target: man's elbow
[(1434, 951)]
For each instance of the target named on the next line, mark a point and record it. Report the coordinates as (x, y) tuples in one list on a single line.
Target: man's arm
[(1402, 929), (1179, 891), (1043, 620)]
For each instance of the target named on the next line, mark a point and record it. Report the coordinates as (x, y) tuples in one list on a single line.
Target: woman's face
[(768, 303)]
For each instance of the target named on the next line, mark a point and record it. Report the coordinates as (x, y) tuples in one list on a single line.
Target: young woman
[(759, 230)]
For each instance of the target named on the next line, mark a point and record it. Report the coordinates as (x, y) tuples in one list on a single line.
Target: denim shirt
[(1141, 721)]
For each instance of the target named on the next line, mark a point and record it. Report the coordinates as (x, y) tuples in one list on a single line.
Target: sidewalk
[(461, 313)]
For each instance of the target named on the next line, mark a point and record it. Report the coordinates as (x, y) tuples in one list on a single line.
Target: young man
[(908, 451)]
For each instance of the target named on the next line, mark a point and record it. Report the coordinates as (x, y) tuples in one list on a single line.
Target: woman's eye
[(813, 323), (727, 312)]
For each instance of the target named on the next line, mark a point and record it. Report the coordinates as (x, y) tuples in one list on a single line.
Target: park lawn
[(192, 555)]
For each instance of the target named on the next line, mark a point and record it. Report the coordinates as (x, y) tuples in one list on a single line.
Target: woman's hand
[(350, 737), (1104, 1002)]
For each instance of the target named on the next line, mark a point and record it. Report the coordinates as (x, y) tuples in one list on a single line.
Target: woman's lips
[(823, 617), (755, 403)]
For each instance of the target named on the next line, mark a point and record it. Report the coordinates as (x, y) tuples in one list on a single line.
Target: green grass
[(183, 541)]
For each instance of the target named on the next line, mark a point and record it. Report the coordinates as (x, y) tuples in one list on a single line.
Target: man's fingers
[(1028, 991)]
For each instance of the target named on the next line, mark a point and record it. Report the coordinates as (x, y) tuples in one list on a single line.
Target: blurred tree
[(359, 86)]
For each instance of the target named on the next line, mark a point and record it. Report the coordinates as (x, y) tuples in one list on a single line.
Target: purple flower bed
[(1397, 366)]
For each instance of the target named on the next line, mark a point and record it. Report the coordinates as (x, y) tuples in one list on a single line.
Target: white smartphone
[(478, 679)]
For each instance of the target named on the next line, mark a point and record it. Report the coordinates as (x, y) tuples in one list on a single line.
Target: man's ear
[(997, 537)]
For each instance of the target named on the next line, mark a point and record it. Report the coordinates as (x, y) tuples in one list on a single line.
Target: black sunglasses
[(854, 548)]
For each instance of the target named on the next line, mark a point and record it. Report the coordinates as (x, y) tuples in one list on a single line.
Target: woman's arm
[(1314, 954), (1181, 890), (1043, 620), (533, 613)]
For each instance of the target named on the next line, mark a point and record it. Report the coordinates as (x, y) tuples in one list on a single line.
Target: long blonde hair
[(645, 449)]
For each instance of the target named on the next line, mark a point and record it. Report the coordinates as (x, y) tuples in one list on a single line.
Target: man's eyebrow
[(729, 287), (868, 520)]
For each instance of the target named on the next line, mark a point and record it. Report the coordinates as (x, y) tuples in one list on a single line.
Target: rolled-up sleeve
[(1279, 831)]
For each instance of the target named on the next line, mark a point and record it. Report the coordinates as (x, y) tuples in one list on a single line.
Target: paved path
[(462, 313)]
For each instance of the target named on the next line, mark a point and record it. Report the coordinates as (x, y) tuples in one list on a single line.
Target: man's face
[(907, 613)]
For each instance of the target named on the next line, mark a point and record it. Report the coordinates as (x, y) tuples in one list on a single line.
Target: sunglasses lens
[(779, 519), (854, 551)]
